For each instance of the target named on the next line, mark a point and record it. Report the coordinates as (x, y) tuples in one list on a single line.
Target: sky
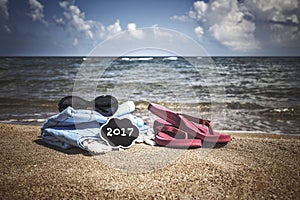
[(221, 27)]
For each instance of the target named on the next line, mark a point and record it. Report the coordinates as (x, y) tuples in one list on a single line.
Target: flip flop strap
[(204, 122), (163, 113), (196, 120), (167, 115)]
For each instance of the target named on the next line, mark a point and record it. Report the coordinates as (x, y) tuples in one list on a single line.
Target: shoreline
[(231, 132), (236, 116), (252, 166)]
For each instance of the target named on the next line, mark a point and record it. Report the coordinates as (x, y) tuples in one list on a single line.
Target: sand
[(252, 166)]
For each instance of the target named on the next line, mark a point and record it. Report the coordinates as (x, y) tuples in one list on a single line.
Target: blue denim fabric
[(71, 127)]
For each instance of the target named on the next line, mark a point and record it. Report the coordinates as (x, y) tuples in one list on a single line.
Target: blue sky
[(221, 27)]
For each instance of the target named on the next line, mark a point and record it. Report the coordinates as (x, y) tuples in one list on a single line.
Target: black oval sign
[(119, 132)]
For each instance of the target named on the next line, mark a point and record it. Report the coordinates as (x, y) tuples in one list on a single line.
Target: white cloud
[(232, 29), (136, 33), (199, 32), (157, 41), (200, 8), (100, 31), (91, 29), (59, 21), (36, 12), (80, 27), (182, 18), (114, 28), (4, 8), (64, 4), (4, 14), (76, 19), (198, 12), (275, 10), (248, 25), (227, 24), (279, 18), (160, 33), (273, 5), (75, 42), (131, 27)]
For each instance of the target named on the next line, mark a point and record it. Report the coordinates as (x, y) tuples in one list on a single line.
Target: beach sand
[(252, 166)]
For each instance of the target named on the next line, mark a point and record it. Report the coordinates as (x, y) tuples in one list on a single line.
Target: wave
[(137, 59), (261, 94), (282, 112), (171, 58)]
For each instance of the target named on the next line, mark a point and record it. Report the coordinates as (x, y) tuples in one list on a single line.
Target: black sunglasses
[(106, 105)]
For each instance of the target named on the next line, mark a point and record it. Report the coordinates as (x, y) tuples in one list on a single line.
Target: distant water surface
[(238, 93)]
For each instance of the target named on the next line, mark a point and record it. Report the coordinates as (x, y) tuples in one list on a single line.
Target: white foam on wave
[(23, 120), (171, 58), (137, 59), (279, 110)]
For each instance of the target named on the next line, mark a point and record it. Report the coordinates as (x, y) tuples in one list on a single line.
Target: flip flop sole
[(162, 138)]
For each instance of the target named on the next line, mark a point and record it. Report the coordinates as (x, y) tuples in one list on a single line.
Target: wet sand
[(252, 166)]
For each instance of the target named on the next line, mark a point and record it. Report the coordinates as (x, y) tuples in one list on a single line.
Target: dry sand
[(252, 166)]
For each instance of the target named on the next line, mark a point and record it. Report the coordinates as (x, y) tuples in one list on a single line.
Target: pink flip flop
[(189, 124), (171, 136)]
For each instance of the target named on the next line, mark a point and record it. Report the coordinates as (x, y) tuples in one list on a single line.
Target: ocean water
[(256, 94)]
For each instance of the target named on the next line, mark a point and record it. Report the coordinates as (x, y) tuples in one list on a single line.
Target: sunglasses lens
[(73, 101), (106, 105)]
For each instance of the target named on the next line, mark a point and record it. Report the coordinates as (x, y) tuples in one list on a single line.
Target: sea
[(244, 94)]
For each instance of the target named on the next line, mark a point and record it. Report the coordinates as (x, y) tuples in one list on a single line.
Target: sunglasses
[(106, 105)]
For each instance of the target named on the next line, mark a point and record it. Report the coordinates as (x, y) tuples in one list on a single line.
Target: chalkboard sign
[(119, 132)]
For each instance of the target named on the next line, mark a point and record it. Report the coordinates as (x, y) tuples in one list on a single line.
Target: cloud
[(226, 24), (233, 30), (76, 19), (4, 8), (275, 11), (199, 11), (114, 28), (138, 34), (4, 15), (36, 11), (157, 41), (131, 27), (73, 17), (160, 33), (59, 21), (279, 19), (182, 18), (84, 31), (75, 42), (284, 37), (248, 25), (199, 32)]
